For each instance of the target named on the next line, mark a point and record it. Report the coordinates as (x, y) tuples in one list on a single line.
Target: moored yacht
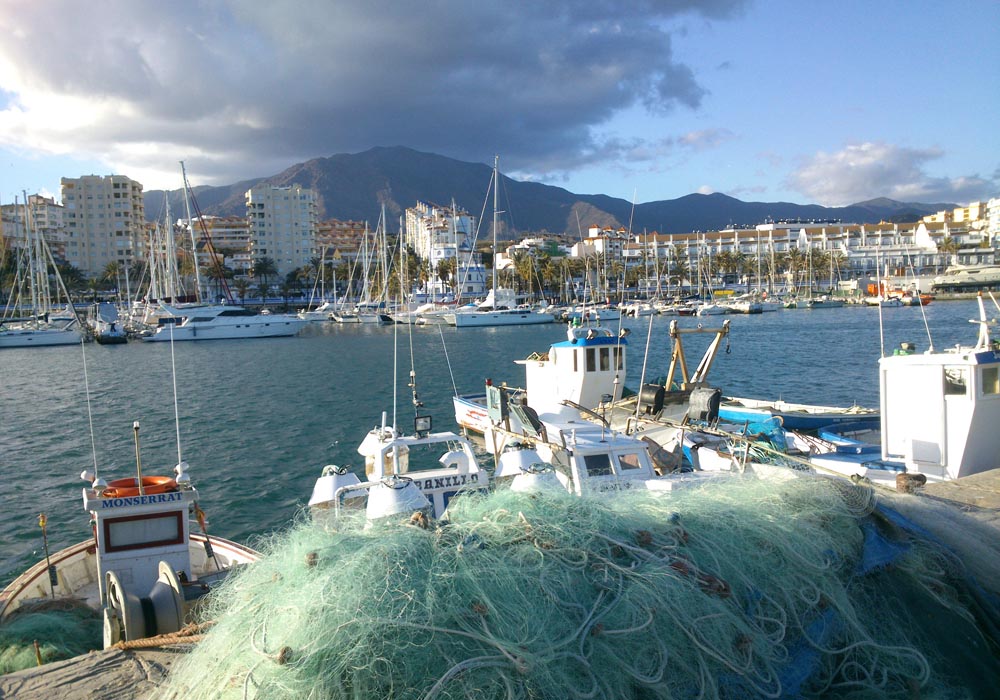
[(221, 322)]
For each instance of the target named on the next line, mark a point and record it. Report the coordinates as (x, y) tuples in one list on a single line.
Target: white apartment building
[(42, 215), (437, 234), (282, 223), (104, 221)]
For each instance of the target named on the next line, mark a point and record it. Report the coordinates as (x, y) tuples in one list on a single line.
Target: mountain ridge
[(355, 186)]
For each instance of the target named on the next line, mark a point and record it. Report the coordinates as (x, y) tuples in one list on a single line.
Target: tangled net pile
[(62, 628), (739, 590)]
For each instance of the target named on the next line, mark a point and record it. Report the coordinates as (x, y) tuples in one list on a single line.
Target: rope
[(189, 634)]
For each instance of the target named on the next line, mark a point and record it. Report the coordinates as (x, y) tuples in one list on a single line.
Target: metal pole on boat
[(42, 522), (138, 461)]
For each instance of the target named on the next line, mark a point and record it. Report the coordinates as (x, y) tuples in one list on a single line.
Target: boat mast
[(194, 245), (496, 183)]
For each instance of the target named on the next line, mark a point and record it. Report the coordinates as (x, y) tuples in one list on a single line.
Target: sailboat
[(31, 282), (500, 308)]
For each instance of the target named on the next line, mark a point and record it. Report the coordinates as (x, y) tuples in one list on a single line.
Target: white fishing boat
[(583, 369), (939, 412), (222, 322), (144, 568), (403, 474)]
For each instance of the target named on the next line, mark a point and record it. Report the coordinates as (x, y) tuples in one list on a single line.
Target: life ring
[(150, 485)]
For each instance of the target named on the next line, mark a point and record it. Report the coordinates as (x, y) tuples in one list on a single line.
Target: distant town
[(100, 239)]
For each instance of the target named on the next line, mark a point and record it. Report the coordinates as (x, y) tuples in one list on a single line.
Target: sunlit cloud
[(865, 171)]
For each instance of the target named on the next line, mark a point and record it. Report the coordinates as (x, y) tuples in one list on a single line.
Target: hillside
[(354, 187)]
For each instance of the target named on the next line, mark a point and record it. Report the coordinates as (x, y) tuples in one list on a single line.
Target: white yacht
[(222, 322)]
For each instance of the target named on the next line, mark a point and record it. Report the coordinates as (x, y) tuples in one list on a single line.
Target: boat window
[(629, 461), (201, 319), (576, 364), (591, 360), (619, 357), (605, 359), (991, 380), (597, 465), (139, 532), (954, 381)]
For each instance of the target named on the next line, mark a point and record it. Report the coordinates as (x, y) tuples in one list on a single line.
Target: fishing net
[(63, 629), (744, 589)]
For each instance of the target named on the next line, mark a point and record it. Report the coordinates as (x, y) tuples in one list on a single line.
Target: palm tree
[(242, 286), (263, 268), (112, 271)]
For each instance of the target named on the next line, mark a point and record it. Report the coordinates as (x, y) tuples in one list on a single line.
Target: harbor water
[(258, 419)]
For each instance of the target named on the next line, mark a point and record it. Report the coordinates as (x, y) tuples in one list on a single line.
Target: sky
[(646, 100)]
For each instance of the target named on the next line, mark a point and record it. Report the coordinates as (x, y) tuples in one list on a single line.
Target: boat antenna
[(645, 357), (90, 415), (417, 403), (173, 372)]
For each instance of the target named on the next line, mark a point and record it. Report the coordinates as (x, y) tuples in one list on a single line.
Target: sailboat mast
[(496, 187), (194, 245)]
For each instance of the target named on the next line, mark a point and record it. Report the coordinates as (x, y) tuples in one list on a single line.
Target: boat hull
[(793, 416), (76, 570), (27, 338), (273, 327), (483, 319)]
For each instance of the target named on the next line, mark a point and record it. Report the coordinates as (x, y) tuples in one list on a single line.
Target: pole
[(42, 522), (138, 461)]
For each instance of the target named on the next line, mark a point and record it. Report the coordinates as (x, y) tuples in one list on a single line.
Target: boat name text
[(445, 481), (140, 500)]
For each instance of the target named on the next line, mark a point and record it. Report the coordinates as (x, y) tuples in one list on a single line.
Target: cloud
[(240, 89), (864, 171)]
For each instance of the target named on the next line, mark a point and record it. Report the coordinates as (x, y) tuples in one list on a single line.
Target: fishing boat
[(586, 367), (143, 569), (404, 474), (794, 416), (222, 322), (939, 410)]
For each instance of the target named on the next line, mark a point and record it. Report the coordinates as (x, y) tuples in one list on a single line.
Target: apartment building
[(282, 223), (439, 234), (42, 215), (104, 221)]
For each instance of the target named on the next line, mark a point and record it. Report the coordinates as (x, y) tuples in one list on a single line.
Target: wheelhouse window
[(598, 465), (141, 531), (591, 360), (990, 379), (955, 381), (605, 359), (629, 461)]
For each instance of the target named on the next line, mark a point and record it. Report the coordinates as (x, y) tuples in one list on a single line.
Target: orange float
[(129, 487)]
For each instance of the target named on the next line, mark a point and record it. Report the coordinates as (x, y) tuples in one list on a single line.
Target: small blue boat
[(794, 416)]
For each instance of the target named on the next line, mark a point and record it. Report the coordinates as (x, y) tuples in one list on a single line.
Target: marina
[(272, 412)]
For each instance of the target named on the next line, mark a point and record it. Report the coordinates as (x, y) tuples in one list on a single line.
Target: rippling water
[(259, 418)]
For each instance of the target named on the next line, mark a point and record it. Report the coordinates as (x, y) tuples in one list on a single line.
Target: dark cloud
[(236, 88)]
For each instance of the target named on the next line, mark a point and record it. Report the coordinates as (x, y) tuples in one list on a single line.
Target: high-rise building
[(104, 220), (446, 235), (282, 223)]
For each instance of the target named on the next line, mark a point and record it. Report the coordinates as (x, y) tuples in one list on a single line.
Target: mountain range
[(354, 186)]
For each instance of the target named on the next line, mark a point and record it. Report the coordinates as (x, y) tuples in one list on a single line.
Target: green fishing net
[(742, 589), (63, 629)]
